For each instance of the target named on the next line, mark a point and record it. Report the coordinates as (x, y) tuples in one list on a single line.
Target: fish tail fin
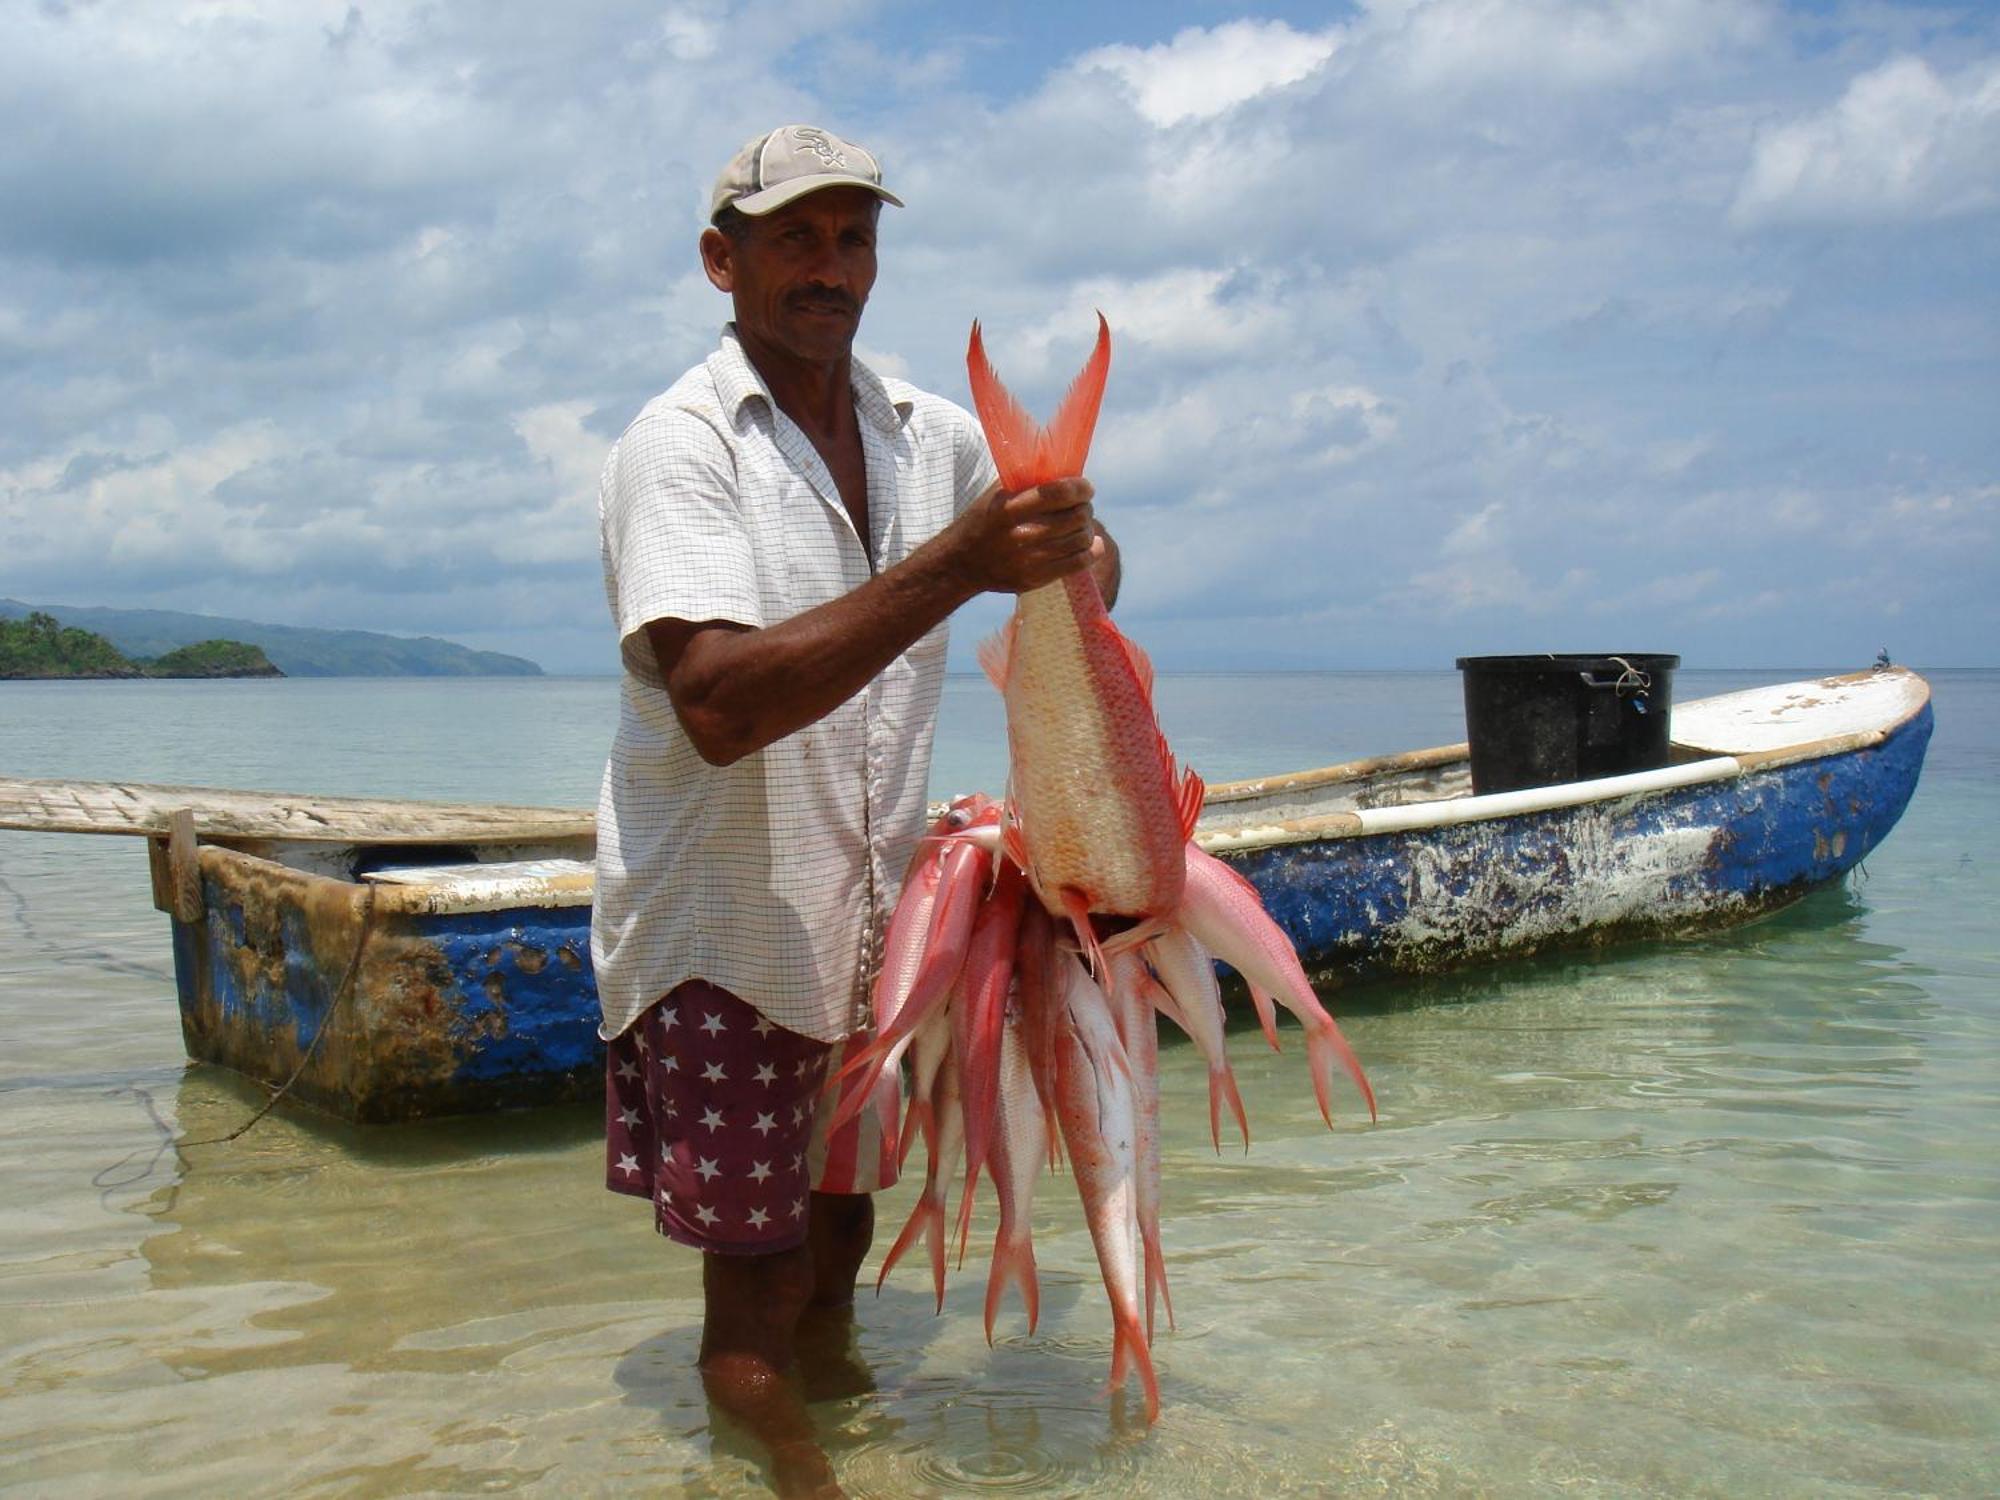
[(1011, 433), (1156, 1282), (854, 1097), (1222, 1089), (1067, 442), (965, 1213), (1128, 1352), (917, 1121), (1023, 452), (1267, 1014), (1013, 1260), (1324, 1047), (926, 1220)]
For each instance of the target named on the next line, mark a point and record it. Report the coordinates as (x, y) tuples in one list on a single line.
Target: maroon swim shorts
[(721, 1117)]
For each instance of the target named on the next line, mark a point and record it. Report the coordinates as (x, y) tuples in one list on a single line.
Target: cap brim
[(777, 197)]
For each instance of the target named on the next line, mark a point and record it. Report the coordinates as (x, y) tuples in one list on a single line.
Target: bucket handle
[(1631, 682)]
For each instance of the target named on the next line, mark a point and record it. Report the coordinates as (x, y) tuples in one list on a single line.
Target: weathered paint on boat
[(454, 1005), (1649, 864)]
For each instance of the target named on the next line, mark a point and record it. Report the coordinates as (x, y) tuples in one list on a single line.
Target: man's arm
[(737, 689)]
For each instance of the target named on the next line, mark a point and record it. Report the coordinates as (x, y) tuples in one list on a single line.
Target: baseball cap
[(789, 162)]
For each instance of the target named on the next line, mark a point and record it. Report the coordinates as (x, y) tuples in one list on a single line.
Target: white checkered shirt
[(772, 877)]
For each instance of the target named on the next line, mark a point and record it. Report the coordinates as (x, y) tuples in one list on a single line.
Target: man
[(785, 534)]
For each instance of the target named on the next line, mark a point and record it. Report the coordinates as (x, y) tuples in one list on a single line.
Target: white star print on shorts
[(721, 1119)]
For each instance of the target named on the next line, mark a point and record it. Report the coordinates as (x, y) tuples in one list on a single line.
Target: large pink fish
[(1097, 811)]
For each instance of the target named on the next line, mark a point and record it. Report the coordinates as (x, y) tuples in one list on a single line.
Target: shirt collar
[(737, 381)]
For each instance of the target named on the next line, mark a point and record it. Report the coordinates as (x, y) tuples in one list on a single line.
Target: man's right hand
[(1009, 544)]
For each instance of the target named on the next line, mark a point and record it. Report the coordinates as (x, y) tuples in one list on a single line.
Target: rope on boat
[(346, 987)]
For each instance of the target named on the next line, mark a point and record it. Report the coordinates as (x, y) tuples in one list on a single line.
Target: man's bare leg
[(839, 1230), (750, 1323)]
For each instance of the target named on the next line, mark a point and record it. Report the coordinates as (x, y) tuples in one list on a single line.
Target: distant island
[(153, 635), (42, 647)]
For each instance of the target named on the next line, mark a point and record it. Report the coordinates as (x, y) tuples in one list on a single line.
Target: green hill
[(42, 647), (296, 651)]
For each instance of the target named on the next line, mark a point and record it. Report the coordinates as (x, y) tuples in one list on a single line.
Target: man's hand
[(736, 689), (1012, 543)]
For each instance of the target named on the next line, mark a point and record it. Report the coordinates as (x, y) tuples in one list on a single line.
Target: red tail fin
[(1025, 454), (1013, 1260)]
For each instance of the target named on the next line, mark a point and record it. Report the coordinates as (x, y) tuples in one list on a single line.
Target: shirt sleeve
[(676, 542)]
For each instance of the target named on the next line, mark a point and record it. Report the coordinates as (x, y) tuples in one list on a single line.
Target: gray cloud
[(1445, 327)]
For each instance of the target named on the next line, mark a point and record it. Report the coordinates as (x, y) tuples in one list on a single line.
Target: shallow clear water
[(1714, 1217)]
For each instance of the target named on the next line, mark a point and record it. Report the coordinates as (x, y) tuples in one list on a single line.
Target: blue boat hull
[(1651, 865), (441, 1014)]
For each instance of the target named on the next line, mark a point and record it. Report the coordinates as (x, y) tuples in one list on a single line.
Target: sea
[(1716, 1216)]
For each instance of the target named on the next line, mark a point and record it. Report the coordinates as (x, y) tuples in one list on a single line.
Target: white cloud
[(1901, 144), (1200, 74), (1453, 43)]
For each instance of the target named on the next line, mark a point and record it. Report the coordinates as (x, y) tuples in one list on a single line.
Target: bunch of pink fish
[(1036, 941)]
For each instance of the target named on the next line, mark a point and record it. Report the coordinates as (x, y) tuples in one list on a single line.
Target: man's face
[(801, 275)]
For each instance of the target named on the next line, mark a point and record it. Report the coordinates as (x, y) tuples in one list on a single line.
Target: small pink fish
[(1187, 975), (1099, 1115), (927, 1217), (1225, 913), (1020, 1152), (978, 1016), (1132, 1011)]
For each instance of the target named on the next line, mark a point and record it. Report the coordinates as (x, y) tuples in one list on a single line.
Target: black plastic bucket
[(1543, 720)]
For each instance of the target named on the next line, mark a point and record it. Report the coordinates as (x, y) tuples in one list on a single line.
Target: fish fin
[(1156, 1282), (1066, 444), (1325, 1046), (866, 1070), (996, 655), (1222, 1090), (1267, 1013), (926, 1219), (1193, 793), (1011, 842), (965, 1214), (1024, 453), (917, 1121), (1222, 1081), (1016, 1263), (1076, 906), (1135, 655), (1128, 1343), (1011, 434)]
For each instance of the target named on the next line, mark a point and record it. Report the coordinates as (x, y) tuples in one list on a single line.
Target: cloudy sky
[(1441, 327)]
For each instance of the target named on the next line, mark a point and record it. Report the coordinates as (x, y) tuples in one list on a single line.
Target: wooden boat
[(390, 960), (1393, 866)]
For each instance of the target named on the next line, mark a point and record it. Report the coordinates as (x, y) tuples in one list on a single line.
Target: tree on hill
[(41, 646), (213, 659)]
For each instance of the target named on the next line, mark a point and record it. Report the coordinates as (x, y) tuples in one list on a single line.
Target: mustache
[(824, 301)]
